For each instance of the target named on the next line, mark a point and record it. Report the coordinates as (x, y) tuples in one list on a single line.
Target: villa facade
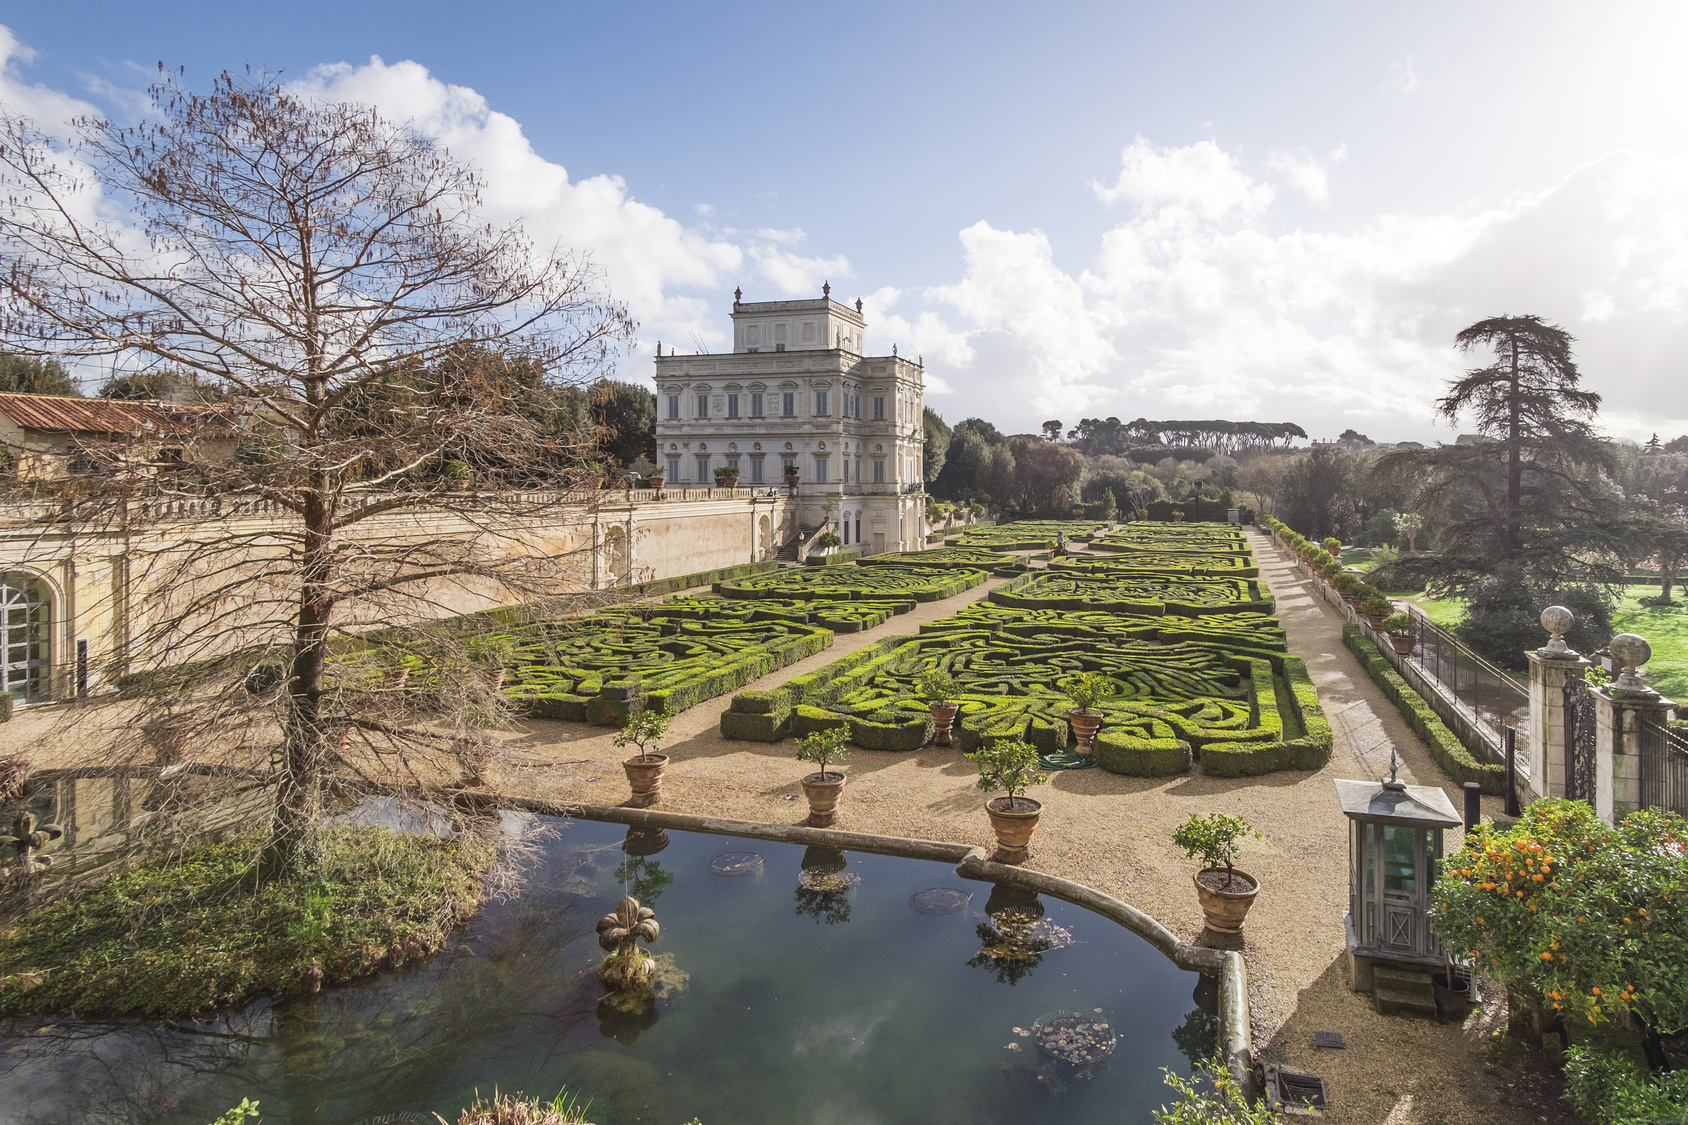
[(799, 389)]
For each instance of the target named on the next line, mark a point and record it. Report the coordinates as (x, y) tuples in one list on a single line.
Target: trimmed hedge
[(1026, 535), (836, 558), (973, 558), (854, 583), (1450, 753)]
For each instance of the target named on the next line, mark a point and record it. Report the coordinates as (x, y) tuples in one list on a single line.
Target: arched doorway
[(764, 538), (26, 657)]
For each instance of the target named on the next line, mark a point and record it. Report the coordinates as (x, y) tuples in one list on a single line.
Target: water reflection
[(823, 890), (1015, 935)]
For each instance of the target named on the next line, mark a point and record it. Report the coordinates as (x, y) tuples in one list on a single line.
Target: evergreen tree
[(31, 375)]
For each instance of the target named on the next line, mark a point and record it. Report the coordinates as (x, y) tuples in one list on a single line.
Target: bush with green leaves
[(1089, 689), (1213, 840), (239, 1114), (1590, 917), (1025, 535), (1608, 1088), (823, 747), (1220, 1102), (935, 686), (1397, 623), (1009, 765), (645, 731), (1378, 606)]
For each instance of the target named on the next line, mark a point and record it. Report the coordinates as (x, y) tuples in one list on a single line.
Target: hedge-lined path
[(1394, 1069)]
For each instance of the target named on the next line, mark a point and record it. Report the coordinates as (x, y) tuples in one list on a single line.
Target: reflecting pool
[(794, 986)]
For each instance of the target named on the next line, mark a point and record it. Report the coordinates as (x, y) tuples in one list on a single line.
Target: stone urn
[(943, 722), (1013, 819), (644, 776), (823, 791), (1224, 906), (1085, 723)]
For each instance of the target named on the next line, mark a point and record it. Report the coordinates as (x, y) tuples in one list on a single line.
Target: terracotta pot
[(460, 485), (1085, 723), (1013, 824), (1224, 911), (727, 482), (943, 722), (658, 482), (495, 681), (644, 775), (1401, 643), (1375, 621), (823, 791)]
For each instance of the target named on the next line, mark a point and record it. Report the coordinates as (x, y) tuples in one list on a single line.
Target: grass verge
[(1666, 629), (183, 936)]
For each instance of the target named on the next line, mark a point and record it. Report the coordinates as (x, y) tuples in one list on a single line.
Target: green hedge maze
[(1197, 669), (1029, 535)]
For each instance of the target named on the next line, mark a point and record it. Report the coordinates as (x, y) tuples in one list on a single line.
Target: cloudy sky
[(1229, 210)]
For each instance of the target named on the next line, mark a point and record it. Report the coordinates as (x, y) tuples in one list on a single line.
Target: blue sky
[(1197, 210)]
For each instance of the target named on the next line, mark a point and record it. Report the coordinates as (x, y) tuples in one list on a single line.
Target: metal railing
[(1664, 765), (1482, 692)]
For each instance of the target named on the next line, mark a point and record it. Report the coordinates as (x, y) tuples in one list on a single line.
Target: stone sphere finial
[(1631, 651), (1556, 619)]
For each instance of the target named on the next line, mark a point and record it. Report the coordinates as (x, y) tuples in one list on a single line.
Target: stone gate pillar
[(1621, 707), (1552, 668)]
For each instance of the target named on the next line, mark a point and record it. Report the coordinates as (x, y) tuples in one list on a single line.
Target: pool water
[(884, 991)]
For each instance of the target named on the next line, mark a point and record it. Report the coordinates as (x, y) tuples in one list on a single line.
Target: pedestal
[(1545, 747)]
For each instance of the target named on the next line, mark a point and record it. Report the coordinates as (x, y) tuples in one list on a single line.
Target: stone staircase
[(793, 547), (1404, 991)]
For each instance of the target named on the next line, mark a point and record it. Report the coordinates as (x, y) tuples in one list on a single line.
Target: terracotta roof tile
[(82, 415)]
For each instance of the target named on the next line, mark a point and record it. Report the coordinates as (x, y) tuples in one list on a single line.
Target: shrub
[(936, 686), (1503, 617), (1212, 840), (645, 730), (1225, 1104), (828, 540), (1609, 1089), (823, 747), (1377, 606), (1086, 691), (1592, 918), (1332, 545), (1009, 764), (1398, 623)]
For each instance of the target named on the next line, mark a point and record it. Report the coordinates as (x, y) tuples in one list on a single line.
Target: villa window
[(790, 404), (820, 403), (756, 406), (820, 470), (879, 408), (879, 472), (732, 406), (703, 406), (674, 407), (756, 470), (26, 611), (674, 469), (703, 470)]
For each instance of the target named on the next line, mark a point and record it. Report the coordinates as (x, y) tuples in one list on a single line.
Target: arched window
[(26, 659)]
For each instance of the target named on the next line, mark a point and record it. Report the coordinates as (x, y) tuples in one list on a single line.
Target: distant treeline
[(1111, 437)]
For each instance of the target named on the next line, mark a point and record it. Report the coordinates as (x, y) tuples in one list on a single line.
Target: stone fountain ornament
[(1556, 619), (27, 837), (1631, 652), (626, 967)]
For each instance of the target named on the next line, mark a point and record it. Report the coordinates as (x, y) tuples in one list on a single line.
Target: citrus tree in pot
[(727, 476), (645, 731), (936, 688), (823, 789), (1085, 692), (1225, 893), (1376, 608), (1010, 765), (1397, 625)]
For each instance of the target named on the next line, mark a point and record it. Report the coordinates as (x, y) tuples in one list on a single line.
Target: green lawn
[(1666, 629)]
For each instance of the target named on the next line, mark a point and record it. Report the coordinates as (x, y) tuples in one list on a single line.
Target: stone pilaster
[(1545, 749), (1618, 749)]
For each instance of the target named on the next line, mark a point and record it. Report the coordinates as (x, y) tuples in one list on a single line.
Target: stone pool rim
[(971, 862)]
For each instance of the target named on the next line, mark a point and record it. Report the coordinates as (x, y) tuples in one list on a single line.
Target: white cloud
[(1193, 307), (1403, 77), (1304, 172), (1201, 178), (50, 110)]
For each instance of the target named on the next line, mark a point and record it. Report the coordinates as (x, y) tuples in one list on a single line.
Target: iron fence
[(1481, 691), (1664, 765)]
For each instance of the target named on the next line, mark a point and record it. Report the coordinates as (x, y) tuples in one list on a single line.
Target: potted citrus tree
[(658, 478), (1376, 608), (823, 789), (1010, 764), (1333, 546), (1085, 692), (791, 474), (1225, 893), (1398, 626), (727, 476), (457, 475), (644, 731), (936, 688)]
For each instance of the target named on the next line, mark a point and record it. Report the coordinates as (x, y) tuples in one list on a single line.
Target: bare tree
[(381, 344)]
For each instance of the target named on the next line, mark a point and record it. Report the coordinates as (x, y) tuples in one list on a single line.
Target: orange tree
[(1590, 917)]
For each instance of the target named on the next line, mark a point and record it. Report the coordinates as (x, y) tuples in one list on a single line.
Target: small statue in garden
[(619, 933)]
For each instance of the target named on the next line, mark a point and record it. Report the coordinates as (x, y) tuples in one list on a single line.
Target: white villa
[(799, 389)]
